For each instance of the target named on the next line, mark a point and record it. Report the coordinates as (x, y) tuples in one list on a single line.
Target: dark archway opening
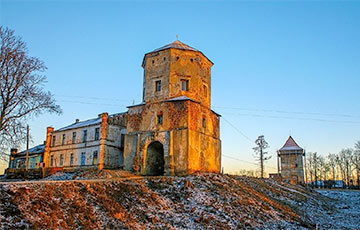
[(155, 159)]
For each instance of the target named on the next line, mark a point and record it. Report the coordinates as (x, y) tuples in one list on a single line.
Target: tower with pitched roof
[(174, 131), (291, 158)]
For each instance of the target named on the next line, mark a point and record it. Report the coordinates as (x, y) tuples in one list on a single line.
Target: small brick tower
[(292, 166)]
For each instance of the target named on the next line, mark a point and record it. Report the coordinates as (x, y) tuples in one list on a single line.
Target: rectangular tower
[(174, 131), (292, 166)]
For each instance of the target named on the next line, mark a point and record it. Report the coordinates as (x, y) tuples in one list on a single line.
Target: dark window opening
[(61, 159), (184, 85), (177, 58), (153, 61), (83, 158), (158, 86), (164, 58), (205, 91), (71, 159), (191, 60), (74, 137), (52, 161), (160, 119), (53, 140), (84, 135), (204, 122), (63, 139), (122, 141), (97, 133), (95, 158)]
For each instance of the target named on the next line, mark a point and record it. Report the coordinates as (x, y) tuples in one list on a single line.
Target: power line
[(248, 162), (293, 118), (289, 112), (93, 98), (224, 107), (241, 133), (92, 103)]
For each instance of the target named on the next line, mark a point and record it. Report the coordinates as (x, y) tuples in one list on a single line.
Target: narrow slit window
[(204, 122), (205, 91), (63, 139), (160, 119)]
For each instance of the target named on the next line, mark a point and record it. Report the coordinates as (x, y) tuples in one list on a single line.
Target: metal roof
[(176, 45), (34, 150), (290, 145), (89, 122), (181, 98)]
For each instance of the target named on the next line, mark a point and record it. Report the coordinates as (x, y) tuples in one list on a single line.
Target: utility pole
[(27, 148), (278, 162), (315, 168)]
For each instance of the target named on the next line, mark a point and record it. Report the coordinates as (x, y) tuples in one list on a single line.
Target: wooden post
[(27, 148)]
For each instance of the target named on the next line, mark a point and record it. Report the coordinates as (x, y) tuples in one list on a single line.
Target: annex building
[(172, 132)]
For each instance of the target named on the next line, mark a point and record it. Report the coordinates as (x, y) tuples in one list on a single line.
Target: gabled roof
[(175, 45), (290, 144), (34, 150), (89, 122), (80, 124)]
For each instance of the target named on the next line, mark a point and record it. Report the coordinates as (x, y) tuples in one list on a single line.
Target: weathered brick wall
[(196, 68), (292, 167), (157, 67)]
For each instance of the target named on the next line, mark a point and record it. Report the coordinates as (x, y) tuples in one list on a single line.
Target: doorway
[(155, 163)]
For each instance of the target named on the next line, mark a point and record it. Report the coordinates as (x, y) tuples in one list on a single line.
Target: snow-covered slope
[(201, 201)]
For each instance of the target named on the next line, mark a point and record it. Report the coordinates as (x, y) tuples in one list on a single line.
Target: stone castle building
[(291, 158), (172, 132)]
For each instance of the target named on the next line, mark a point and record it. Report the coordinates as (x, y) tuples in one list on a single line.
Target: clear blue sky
[(280, 67)]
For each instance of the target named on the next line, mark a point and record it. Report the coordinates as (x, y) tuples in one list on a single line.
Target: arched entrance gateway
[(154, 164)]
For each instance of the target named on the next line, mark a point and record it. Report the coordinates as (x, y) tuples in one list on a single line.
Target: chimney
[(77, 120), (103, 115), (13, 151)]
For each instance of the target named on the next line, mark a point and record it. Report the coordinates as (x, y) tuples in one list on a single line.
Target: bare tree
[(322, 168), (356, 161), (259, 150), (345, 156), (310, 167), (331, 160), (21, 90), (315, 166)]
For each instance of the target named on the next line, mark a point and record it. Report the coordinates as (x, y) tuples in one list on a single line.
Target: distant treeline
[(334, 170)]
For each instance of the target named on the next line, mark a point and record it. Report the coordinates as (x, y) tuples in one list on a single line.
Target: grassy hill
[(201, 201)]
